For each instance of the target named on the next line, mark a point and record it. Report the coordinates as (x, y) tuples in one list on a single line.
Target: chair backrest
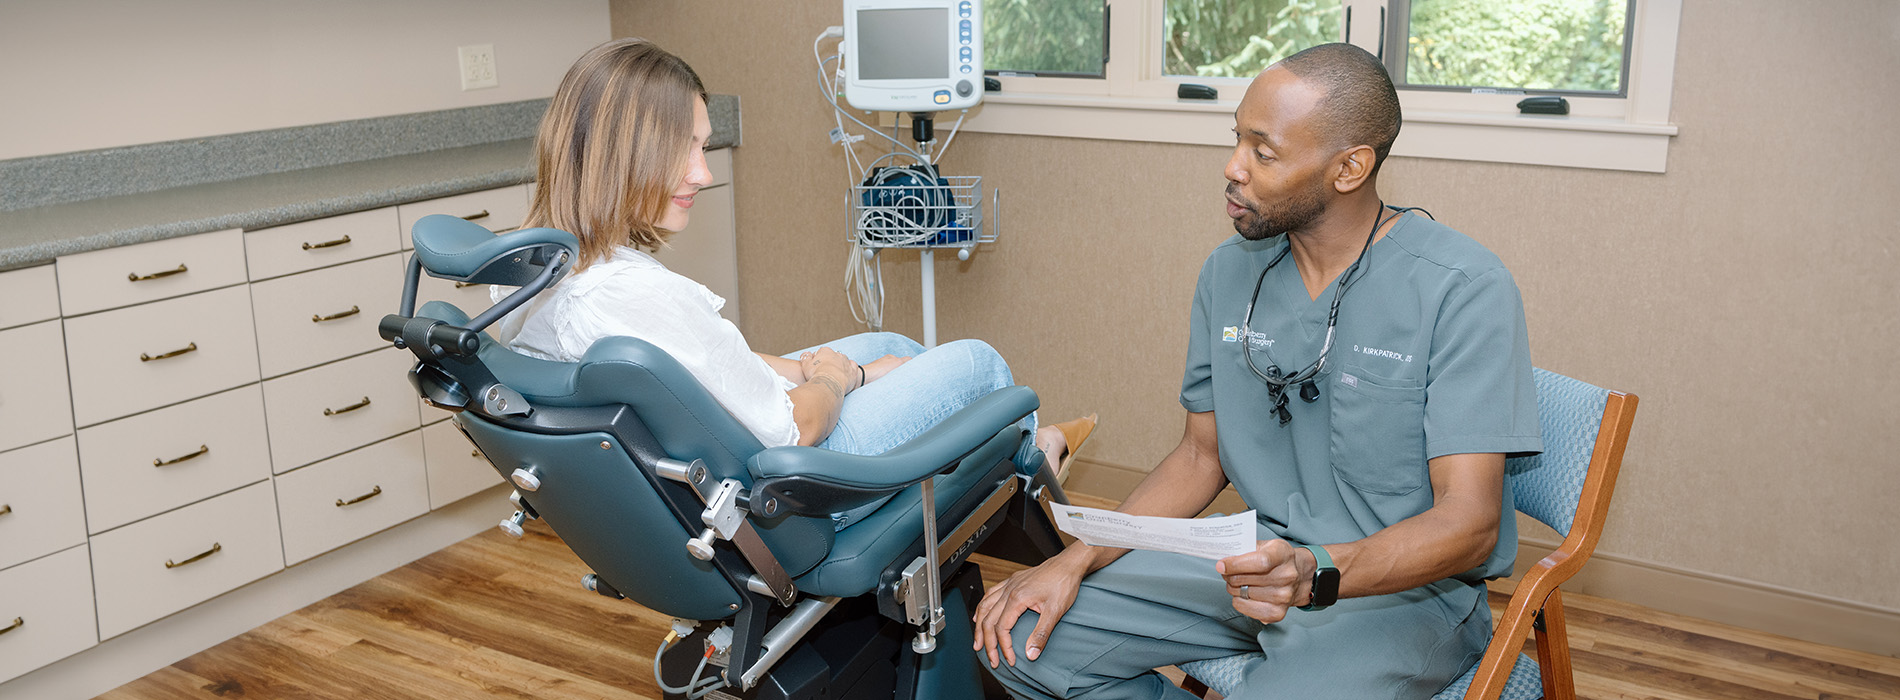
[(1548, 486), (593, 430)]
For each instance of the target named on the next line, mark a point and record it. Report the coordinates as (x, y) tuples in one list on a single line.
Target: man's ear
[(1353, 168)]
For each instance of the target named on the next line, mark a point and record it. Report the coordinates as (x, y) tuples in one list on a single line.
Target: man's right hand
[(1049, 589)]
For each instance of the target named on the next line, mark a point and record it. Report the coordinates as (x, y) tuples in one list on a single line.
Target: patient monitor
[(913, 55)]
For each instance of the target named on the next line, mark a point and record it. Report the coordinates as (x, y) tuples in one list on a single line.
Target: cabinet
[(46, 610), (189, 416)]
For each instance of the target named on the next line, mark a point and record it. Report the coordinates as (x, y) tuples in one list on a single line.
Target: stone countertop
[(38, 235), (114, 197)]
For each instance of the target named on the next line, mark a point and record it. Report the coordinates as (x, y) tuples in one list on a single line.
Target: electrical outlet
[(478, 66)]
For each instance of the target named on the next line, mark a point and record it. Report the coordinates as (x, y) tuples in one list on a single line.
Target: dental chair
[(675, 506)]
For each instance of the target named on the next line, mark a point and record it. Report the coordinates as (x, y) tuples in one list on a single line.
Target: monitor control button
[(941, 97), (964, 88)]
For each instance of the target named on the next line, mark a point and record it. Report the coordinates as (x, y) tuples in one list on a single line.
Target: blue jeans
[(917, 395)]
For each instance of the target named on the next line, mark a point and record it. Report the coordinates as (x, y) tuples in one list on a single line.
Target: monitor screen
[(909, 44)]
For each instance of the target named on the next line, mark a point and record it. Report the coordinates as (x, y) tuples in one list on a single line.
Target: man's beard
[(1291, 214)]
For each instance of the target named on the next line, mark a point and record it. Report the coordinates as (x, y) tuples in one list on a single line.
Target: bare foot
[(1052, 443)]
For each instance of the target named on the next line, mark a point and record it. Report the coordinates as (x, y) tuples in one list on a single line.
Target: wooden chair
[(1568, 487)]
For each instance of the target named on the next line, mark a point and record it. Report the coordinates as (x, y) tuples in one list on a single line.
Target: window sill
[(1574, 142)]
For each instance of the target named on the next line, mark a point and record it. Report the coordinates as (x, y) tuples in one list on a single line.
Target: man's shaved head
[(1360, 107)]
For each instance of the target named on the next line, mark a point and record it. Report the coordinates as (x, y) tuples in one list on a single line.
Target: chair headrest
[(451, 248)]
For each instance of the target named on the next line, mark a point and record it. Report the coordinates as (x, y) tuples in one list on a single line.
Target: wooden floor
[(497, 618)]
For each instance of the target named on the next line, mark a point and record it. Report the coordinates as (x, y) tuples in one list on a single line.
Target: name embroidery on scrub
[(1387, 354), (1231, 334)]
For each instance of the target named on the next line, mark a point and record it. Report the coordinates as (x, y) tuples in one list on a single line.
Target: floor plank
[(492, 617)]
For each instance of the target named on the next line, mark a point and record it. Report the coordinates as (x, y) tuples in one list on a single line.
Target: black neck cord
[(1276, 380)]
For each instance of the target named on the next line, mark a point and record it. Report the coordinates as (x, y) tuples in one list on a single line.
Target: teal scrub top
[(1430, 357)]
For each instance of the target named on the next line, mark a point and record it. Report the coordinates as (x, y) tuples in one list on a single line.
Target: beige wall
[(84, 74), (1748, 295)]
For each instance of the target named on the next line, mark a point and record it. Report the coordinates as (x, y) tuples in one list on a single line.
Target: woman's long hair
[(613, 146)]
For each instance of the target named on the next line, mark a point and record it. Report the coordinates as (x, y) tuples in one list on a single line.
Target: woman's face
[(697, 175)]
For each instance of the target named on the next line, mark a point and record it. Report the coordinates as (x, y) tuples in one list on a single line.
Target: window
[(1533, 46), (1240, 38), (1461, 66), (1045, 37)]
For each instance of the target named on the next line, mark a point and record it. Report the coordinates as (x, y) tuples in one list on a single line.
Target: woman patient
[(619, 157)]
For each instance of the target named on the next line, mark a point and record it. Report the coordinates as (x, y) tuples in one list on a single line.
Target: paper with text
[(1207, 538)]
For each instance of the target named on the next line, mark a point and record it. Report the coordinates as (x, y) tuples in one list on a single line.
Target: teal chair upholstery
[(1568, 487)]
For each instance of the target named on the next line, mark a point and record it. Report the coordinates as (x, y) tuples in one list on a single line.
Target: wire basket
[(910, 211)]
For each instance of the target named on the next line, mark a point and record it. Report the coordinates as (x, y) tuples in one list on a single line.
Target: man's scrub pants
[(1149, 610)]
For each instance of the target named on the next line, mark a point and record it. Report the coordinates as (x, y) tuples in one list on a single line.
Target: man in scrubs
[(1389, 466)]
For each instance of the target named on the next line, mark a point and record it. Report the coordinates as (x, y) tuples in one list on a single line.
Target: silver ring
[(1243, 593)]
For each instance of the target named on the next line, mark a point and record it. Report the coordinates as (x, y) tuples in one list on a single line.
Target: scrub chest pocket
[(1378, 432)]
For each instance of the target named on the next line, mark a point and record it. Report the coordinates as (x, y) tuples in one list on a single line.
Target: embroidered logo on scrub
[(1231, 334)]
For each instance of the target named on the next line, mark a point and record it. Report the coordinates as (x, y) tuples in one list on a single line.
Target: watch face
[(1325, 586)]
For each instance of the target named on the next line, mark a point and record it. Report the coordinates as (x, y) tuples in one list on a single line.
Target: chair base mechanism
[(856, 653)]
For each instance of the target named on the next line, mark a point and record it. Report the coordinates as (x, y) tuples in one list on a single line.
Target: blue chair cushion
[(1225, 675), (863, 551), (1546, 486)]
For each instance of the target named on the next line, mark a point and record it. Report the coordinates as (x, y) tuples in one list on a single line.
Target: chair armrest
[(856, 478)]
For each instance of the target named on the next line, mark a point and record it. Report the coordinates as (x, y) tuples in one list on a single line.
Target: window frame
[(1134, 101)]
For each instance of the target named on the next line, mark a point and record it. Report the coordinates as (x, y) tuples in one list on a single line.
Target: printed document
[(1207, 538)]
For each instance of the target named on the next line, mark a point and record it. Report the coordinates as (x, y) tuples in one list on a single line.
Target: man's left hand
[(1268, 581)]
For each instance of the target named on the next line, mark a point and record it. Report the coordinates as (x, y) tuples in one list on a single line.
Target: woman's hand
[(826, 362), (881, 366)]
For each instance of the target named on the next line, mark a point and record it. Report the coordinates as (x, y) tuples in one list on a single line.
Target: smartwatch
[(1325, 580)]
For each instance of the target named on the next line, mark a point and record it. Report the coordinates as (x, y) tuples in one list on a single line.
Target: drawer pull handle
[(475, 453), (483, 214), (18, 622), (354, 310), (500, 231), (346, 409), (465, 285), (6, 508), (215, 548), (378, 491), (307, 245), (136, 277), (202, 451), (148, 358)]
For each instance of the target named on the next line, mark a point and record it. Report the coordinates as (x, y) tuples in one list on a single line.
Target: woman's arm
[(790, 369), (816, 403)]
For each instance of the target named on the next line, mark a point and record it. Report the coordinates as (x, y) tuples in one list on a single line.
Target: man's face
[(1278, 177)]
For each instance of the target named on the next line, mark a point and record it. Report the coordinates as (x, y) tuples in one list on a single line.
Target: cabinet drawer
[(282, 250), (35, 402), (40, 510), (308, 319), (159, 566), (50, 601), (499, 209), (140, 358), (338, 407), (456, 469), (135, 274), (351, 496), (27, 296), (153, 462)]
